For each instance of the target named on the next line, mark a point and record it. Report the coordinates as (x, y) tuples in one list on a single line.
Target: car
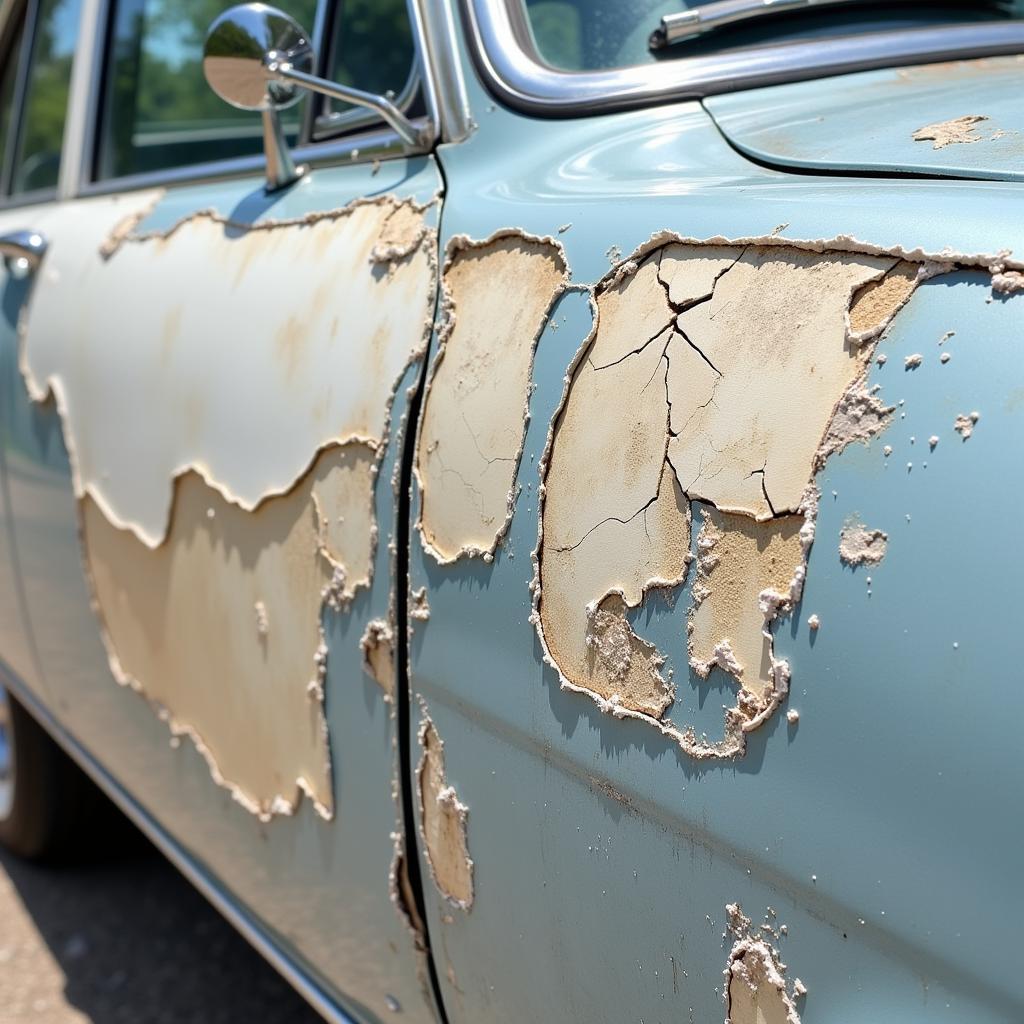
[(519, 499)]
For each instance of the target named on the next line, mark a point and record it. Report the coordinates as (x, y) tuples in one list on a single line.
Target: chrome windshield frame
[(502, 48)]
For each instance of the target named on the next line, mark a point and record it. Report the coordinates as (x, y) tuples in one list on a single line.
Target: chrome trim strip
[(83, 98), (509, 64), (247, 926), (378, 145), (444, 86)]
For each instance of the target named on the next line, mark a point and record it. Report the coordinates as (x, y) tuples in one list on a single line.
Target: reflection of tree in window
[(158, 111), (371, 46), (42, 124)]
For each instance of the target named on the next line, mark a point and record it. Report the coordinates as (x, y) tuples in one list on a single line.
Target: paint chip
[(958, 130), (443, 822), (859, 545)]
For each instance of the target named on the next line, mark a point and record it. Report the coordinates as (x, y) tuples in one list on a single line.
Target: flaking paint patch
[(956, 131), (477, 399), (727, 628), (378, 647), (860, 545), (178, 621), (756, 989), (161, 434), (443, 822), (734, 368)]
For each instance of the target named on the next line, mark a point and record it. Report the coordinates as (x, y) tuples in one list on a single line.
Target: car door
[(204, 422), (695, 694)]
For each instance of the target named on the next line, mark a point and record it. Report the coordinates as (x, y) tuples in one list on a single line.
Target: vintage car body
[(474, 685)]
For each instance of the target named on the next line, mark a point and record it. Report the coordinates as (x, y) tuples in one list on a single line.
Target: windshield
[(591, 35)]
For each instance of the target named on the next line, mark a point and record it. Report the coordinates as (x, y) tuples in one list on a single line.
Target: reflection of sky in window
[(64, 26)]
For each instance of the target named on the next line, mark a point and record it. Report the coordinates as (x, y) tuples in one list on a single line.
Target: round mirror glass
[(239, 46)]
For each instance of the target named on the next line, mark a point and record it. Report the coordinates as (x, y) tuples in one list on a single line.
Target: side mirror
[(257, 58)]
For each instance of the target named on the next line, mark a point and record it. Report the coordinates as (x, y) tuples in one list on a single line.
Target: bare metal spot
[(476, 404), (443, 821)]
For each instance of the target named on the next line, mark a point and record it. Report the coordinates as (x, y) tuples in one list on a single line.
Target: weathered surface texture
[(225, 451), (443, 820), (724, 374), (474, 412), (756, 989)]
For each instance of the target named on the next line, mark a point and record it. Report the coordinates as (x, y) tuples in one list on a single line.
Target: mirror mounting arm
[(408, 132)]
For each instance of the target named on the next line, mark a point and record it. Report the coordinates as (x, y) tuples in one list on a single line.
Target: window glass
[(37, 162), (158, 111), (371, 48), (585, 35)]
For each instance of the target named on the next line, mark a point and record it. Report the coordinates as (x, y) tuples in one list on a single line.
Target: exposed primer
[(210, 567), (957, 131), (177, 621), (378, 647), (965, 423), (476, 404), (1008, 281), (859, 545), (443, 822), (306, 383), (724, 371), (756, 990)]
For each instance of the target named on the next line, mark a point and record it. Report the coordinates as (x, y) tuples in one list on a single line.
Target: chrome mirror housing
[(258, 58)]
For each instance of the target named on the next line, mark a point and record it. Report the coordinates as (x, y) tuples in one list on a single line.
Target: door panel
[(213, 393), (614, 855)]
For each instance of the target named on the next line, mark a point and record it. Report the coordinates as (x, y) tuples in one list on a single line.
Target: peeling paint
[(720, 372), (859, 545), (210, 567), (756, 990), (958, 130), (378, 647), (178, 628), (964, 424), (443, 822), (477, 400)]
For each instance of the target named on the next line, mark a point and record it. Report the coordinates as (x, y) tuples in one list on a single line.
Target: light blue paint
[(866, 122), (884, 827), (320, 889)]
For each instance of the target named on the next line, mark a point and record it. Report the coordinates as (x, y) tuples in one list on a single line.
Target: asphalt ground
[(127, 942)]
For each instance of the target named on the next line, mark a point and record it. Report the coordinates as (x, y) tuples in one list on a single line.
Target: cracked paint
[(443, 821), (477, 400), (720, 376), (756, 989), (240, 503)]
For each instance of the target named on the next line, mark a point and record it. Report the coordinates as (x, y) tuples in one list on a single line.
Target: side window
[(158, 112), (35, 76), (41, 130), (369, 46)]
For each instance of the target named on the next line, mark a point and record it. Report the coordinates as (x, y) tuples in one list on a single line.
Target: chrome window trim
[(381, 144), (81, 117), (505, 57), (252, 930)]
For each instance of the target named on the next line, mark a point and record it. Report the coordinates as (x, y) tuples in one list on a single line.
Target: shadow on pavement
[(138, 945)]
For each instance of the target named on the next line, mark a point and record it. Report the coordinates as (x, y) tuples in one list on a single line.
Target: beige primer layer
[(756, 989), (443, 823), (224, 450), (724, 373), (477, 401), (179, 624)]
